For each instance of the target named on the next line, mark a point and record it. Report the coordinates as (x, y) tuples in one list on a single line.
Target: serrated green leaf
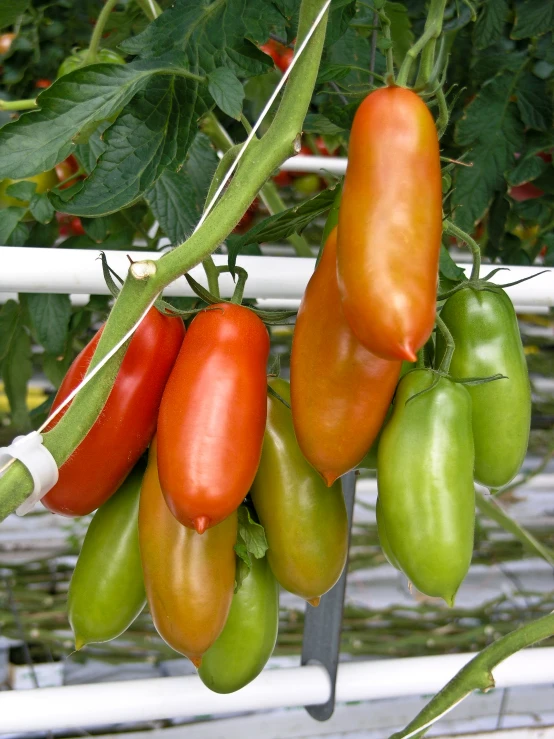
[(227, 91), (528, 168), (341, 13), (11, 10), (9, 222), (76, 102), (211, 34), (332, 72), (150, 135), (50, 314), (493, 128), (41, 208), (55, 368), (281, 225), (318, 123), (173, 203), (22, 190), (490, 24), (533, 18), (89, 153), (9, 317), (400, 29), (251, 533), (16, 371), (534, 102), (497, 220)]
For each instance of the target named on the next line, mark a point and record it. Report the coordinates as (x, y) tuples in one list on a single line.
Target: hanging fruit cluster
[(242, 492)]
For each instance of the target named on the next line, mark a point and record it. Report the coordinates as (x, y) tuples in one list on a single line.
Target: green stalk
[(450, 346), (147, 279), (213, 276), (453, 230), (90, 57), (477, 674), (269, 193), (432, 30), (443, 117), (18, 104), (492, 510)]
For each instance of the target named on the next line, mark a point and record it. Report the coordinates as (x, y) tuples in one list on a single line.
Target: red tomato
[(6, 40), (390, 224), (284, 60), (322, 147), (65, 169), (283, 179), (42, 84), (273, 49), (527, 191), (212, 417), (127, 422), (77, 227), (340, 392)]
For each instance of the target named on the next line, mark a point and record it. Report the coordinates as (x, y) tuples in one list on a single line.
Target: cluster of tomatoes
[(183, 535), (463, 412)]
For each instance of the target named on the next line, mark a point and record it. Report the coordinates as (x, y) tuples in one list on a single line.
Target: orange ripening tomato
[(127, 422), (340, 392), (189, 578), (390, 224), (212, 417), (6, 40)]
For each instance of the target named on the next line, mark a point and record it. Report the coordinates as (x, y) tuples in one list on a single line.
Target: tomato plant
[(129, 128)]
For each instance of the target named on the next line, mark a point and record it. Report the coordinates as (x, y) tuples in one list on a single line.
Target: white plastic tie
[(39, 462)]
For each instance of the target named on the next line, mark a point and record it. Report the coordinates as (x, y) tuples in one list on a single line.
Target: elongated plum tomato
[(189, 578), (340, 391), (127, 422), (248, 638), (425, 482), (487, 341), (212, 416), (390, 224), (106, 593), (305, 521)]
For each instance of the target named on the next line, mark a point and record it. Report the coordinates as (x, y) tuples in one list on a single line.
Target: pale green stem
[(18, 104), (98, 31), (432, 30), (150, 8)]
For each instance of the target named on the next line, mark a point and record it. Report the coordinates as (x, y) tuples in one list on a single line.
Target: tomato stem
[(453, 230), (212, 275), (450, 345), (90, 57), (444, 115), (242, 276), (150, 8), (18, 104), (431, 32), (477, 674)]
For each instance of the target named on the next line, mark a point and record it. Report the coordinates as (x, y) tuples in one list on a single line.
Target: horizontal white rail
[(182, 697), (78, 271), (320, 165)]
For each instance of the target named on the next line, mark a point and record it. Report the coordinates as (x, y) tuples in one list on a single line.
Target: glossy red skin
[(65, 169), (390, 224), (527, 191), (340, 392), (127, 422), (43, 84), (212, 417), (284, 60)]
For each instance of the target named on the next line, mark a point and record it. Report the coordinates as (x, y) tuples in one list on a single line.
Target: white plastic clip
[(42, 467)]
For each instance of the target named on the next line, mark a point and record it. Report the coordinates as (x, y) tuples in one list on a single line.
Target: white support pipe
[(29, 270), (186, 697), (320, 165)]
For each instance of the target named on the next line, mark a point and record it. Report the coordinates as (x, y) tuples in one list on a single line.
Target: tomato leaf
[(12, 231), (490, 24), (227, 91), (490, 125), (318, 123), (251, 542), (50, 314), (400, 29), (212, 34), (10, 12), (15, 365), (22, 190), (281, 225), (41, 208), (528, 168), (177, 198), (71, 109), (534, 102), (448, 268), (533, 18)]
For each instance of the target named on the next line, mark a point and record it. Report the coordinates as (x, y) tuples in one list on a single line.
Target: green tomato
[(425, 482), (44, 181), (484, 327), (77, 60), (246, 643), (308, 184), (305, 521), (106, 593)]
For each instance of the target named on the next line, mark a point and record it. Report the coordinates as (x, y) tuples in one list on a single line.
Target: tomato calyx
[(483, 283), (438, 374)]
